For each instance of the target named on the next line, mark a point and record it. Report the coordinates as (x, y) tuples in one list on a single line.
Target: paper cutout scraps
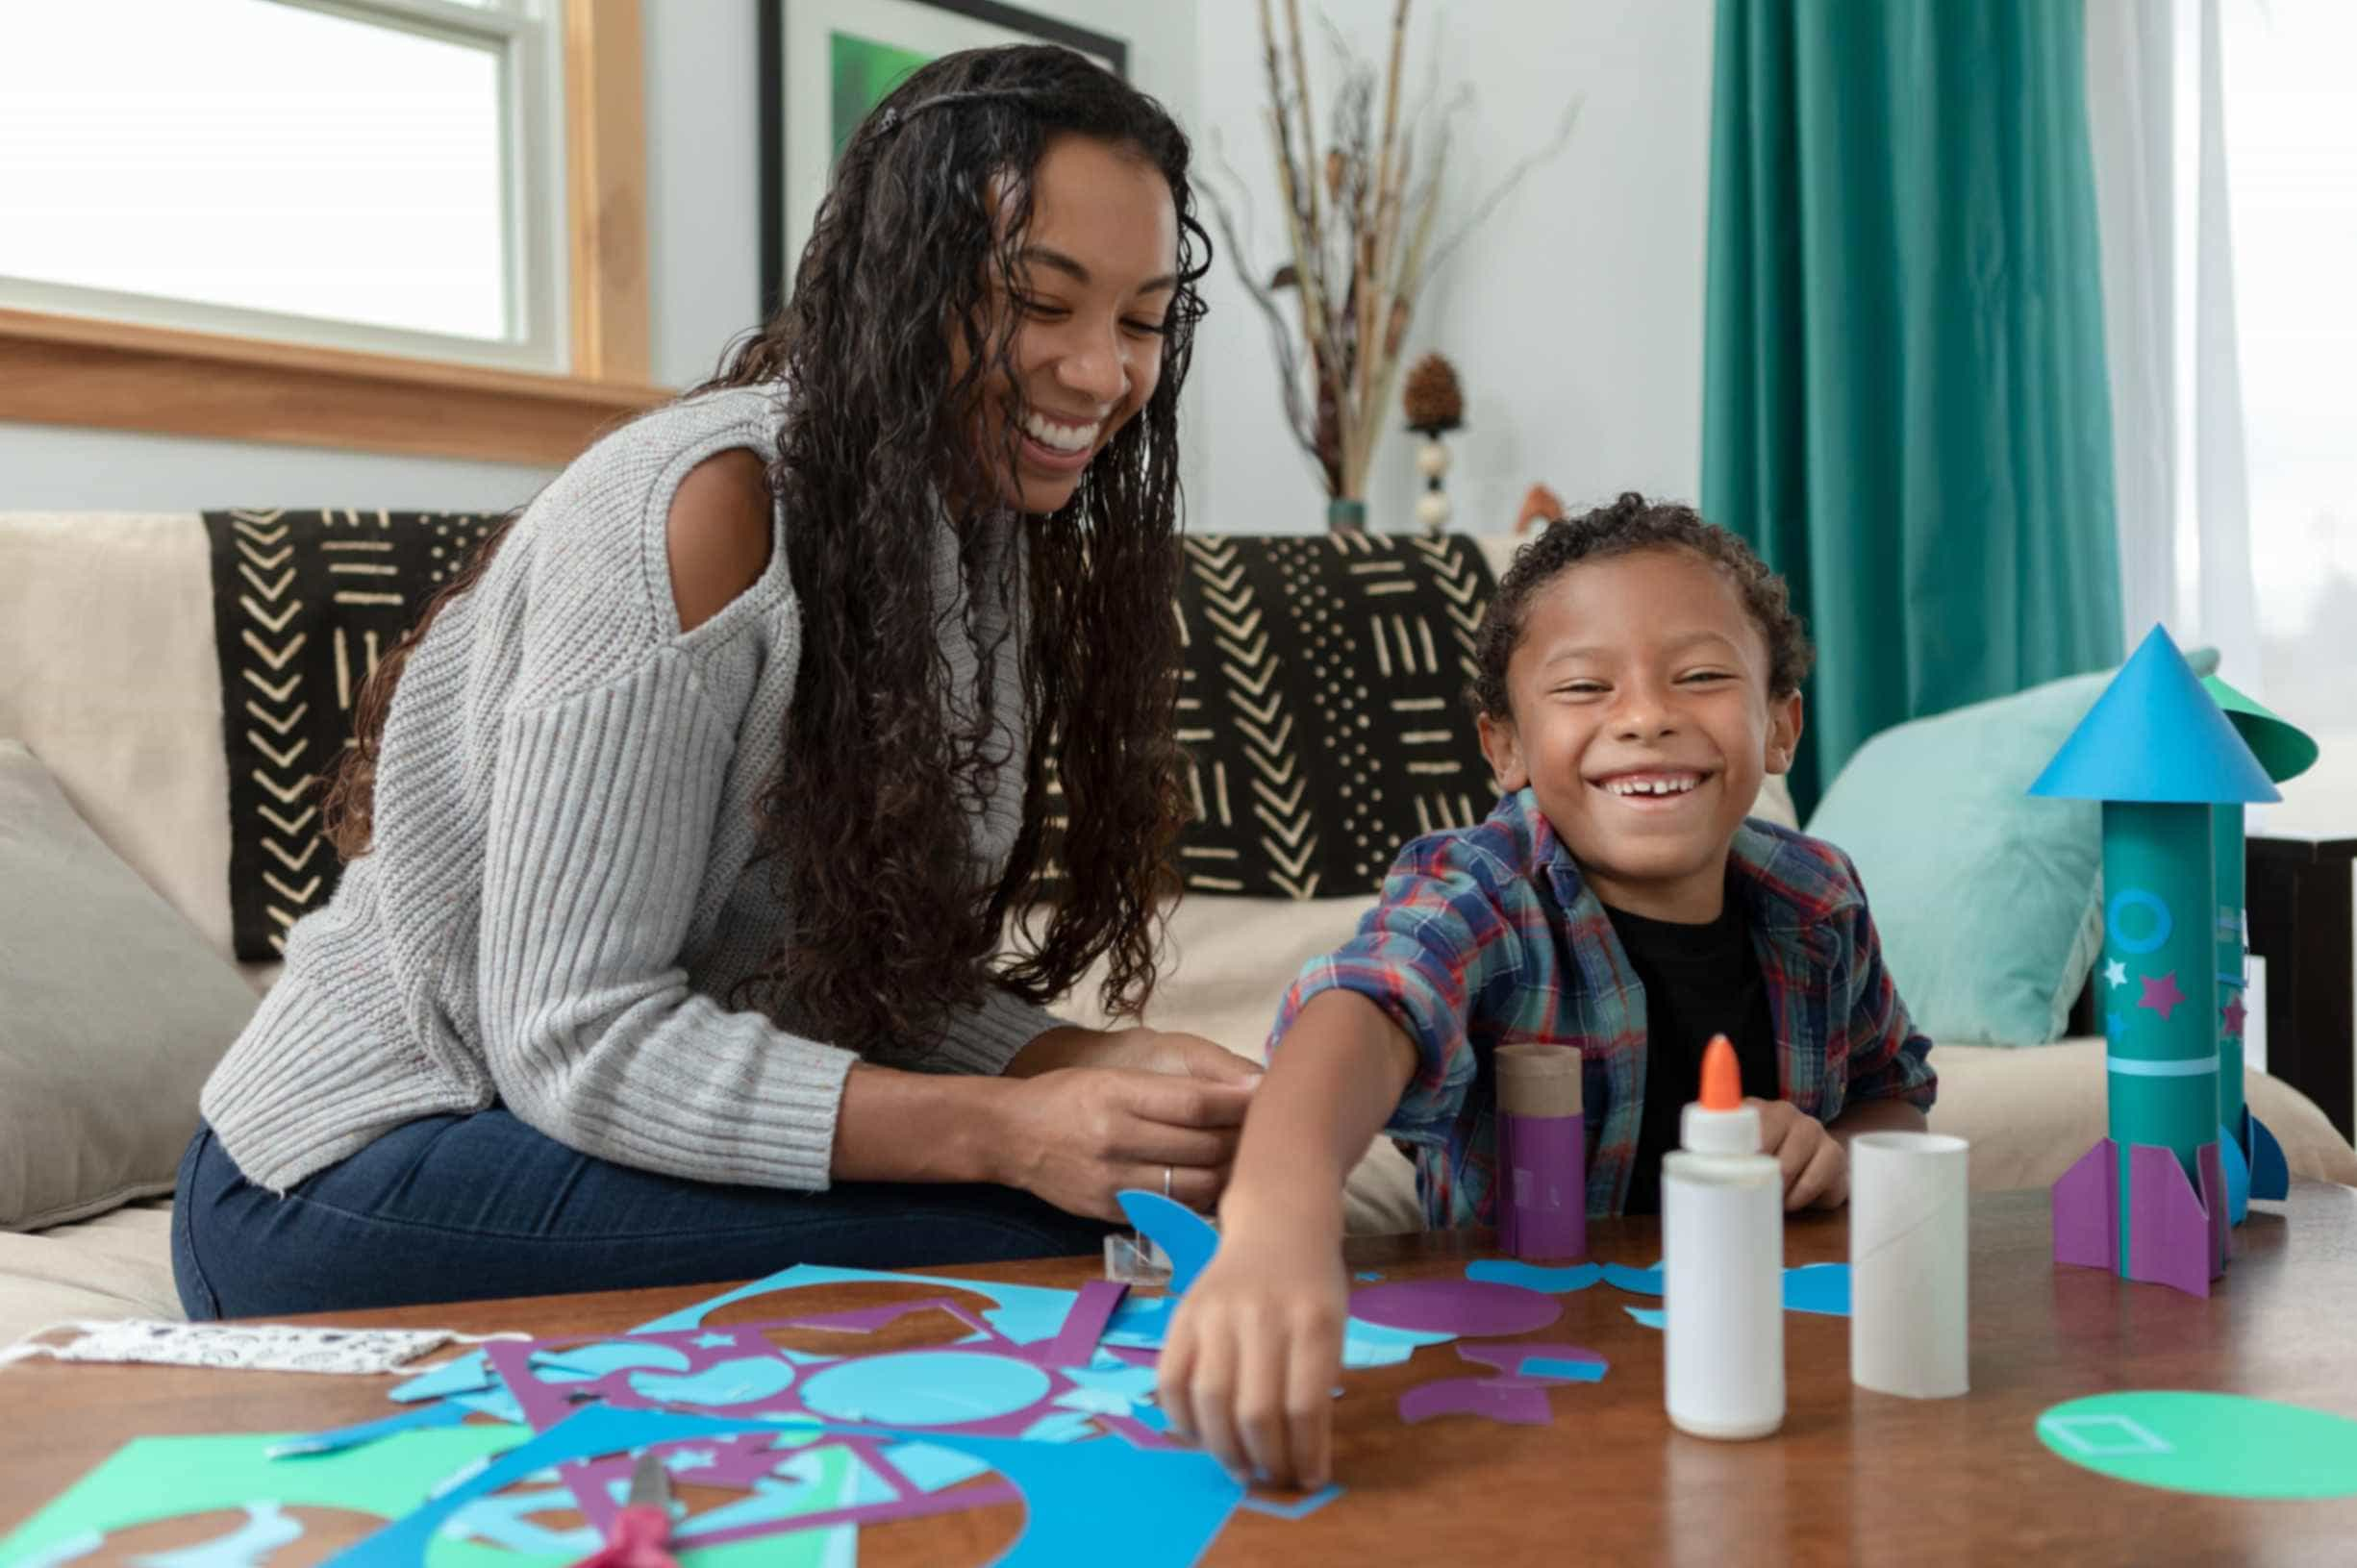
[(1636, 1281), (1184, 1236), (1300, 1507), (1023, 1314), (1513, 1401), (448, 1414), (1075, 1343), (926, 1388), (1823, 1288), (1557, 1363), (1173, 1502), (2217, 1445), (1455, 1307), (1652, 1317), (153, 1478), (1366, 1279), (1555, 1282)]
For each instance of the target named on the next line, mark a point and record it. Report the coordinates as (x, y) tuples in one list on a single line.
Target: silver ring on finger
[(1168, 1175)]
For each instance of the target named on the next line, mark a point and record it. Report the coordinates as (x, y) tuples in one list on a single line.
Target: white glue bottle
[(1722, 1264)]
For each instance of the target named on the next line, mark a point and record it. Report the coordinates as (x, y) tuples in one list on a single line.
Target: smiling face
[(1097, 273), (1642, 723)]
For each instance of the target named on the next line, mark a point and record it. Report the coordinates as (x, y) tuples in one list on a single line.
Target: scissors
[(640, 1533)]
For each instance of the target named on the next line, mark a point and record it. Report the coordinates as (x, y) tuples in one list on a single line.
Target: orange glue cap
[(1720, 1123)]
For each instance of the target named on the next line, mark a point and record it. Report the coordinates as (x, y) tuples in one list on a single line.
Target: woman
[(683, 830)]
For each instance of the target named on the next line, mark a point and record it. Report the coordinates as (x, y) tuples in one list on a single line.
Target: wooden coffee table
[(1853, 1476)]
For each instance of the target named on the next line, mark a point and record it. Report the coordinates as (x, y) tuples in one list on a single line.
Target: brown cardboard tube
[(1535, 1079)]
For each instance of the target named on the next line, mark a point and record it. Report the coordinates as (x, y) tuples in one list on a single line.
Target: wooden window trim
[(80, 370)]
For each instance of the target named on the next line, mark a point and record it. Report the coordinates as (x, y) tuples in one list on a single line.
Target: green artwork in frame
[(826, 64), (860, 72)]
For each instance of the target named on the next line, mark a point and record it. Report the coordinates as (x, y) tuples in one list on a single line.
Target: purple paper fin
[(2168, 1231), (2087, 1209), (1510, 1400), (2270, 1177), (2213, 1200), (1075, 1343)]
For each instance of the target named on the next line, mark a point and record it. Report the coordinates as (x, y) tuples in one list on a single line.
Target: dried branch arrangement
[(1359, 217)]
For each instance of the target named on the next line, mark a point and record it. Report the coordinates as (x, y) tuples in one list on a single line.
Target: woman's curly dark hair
[(867, 827), (1625, 527)]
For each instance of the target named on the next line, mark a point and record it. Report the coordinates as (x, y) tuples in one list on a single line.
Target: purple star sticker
[(2161, 995)]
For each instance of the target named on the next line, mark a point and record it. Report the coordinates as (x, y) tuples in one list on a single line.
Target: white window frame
[(528, 37)]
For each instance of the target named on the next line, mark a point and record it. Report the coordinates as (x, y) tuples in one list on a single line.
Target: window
[(2290, 152), (398, 225), (380, 174)]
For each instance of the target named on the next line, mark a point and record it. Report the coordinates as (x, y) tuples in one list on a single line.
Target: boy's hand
[(1816, 1166), (1249, 1366)]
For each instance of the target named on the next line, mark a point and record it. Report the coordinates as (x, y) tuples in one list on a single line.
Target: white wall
[(1574, 317)]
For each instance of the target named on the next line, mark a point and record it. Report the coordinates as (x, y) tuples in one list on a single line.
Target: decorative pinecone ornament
[(1433, 401)]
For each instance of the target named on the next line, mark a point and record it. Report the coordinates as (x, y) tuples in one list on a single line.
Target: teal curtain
[(1905, 403)]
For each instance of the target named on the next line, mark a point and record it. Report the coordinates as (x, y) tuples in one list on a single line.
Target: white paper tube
[(1908, 1286)]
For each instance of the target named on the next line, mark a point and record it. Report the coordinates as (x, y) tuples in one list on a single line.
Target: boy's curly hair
[(1623, 528)]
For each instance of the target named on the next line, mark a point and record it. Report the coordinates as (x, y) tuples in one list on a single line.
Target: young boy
[(1640, 673)]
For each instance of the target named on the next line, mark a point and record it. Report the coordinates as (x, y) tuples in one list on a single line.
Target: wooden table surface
[(1853, 1477)]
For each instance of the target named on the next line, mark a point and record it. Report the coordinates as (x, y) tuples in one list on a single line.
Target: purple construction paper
[(1511, 1358), (1075, 1343), (1455, 1307), (2087, 1209), (1543, 1206), (2169, 1232), (1513, 1400), (2214, 1199)]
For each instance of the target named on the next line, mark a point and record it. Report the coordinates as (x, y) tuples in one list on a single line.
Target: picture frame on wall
[(824, 63)]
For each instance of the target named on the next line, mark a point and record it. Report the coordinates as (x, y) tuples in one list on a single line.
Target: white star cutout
[(2116, 973)]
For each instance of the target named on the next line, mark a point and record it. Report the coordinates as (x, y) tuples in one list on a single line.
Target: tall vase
[(1346, 515)]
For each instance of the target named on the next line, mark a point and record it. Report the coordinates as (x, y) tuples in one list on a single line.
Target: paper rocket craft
[(2151, 1200), (2250, 1150)]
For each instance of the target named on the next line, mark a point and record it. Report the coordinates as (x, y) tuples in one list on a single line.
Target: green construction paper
[(2159, 913), (2218, 1445), (2227, 868), (151, 1478), (2283, 748)]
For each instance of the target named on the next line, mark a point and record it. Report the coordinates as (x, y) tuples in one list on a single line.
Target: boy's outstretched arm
[(1249, 1365)]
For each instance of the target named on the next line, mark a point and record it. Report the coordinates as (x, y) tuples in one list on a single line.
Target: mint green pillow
[(1988, 901)]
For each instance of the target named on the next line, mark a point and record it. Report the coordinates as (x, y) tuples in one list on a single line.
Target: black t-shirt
[(1699, 981)]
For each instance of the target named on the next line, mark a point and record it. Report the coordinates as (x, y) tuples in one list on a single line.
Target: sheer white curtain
[(2156, 109)]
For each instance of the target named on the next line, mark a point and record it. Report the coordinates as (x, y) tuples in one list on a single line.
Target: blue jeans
[(454, 1209)]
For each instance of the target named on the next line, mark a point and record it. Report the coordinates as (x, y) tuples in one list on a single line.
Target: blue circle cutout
[(2137, 898), (925, 1388)]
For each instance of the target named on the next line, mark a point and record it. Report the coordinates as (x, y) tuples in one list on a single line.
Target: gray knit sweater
[(562, 891)]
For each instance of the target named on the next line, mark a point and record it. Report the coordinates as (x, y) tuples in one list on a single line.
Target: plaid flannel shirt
[(1489, 934)]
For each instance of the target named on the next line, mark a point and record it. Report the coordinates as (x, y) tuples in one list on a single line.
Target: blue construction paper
[(931, 1469), (1366, 1279), (2156, 735), (1171, 1503), (469, 1374), (1299, 1509), (1544, 1366), (1024, 1314), (1636, 1281), (745, 1380), (1138, 1322), (340, 1438), (1652, 1317), (1132, 1382), (1183, 1235), (2237, 1173), (925, 1388), (1094, 1401), (1823, 1288), (496, 1403), (266, 1529), (1151, 1418), (1062, 1427), (583, 1363), (505, 1520), (2271, 1178), (1556, 1281)]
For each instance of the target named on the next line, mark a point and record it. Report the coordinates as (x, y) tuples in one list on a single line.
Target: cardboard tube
[(1541, 1203), (1909, 1325)]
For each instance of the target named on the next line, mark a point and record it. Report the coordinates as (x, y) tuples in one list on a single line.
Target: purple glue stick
[(1541, 1153)]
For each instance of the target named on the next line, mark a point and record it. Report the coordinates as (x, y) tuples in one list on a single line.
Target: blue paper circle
[(2138, 898), (925, 1388)]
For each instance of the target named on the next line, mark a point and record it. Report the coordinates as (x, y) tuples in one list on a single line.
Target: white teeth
[(1060, 438), (1651, 786)]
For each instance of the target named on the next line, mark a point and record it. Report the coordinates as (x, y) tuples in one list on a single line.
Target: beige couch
[(107, 674)]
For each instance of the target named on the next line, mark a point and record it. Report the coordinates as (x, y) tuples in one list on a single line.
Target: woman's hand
[(1249, 1366), (1146, 1049), (1078, 1135)]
